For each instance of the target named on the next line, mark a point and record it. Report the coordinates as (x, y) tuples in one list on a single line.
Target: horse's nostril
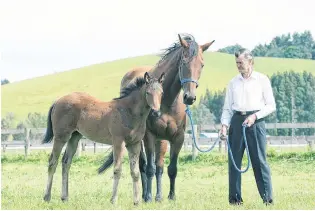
[(185, 96), (195, 98)]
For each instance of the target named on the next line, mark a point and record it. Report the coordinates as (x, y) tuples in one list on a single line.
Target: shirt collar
[(254, 75)]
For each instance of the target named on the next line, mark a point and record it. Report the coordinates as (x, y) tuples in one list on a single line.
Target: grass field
[(200, 185), (103, 80)]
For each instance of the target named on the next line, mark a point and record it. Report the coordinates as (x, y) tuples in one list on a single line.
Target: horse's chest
[(164, 127)]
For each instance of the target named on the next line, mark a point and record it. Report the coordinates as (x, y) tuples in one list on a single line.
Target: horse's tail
[(108, 162), (49, 131)]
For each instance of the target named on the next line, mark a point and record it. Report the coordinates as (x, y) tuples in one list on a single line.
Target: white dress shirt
[(253, 93)]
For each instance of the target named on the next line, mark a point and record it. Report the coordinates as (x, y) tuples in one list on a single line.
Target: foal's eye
[(202, 65)]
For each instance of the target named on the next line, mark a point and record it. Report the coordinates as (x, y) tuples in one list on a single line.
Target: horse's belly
[(95, 130)]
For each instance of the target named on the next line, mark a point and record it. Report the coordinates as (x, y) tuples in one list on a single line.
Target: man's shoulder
[(261, 76)]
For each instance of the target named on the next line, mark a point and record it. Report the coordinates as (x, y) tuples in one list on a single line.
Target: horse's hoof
[(148, 199), (158, 198), (47, 198), (64, 199), (136, 203), (172, 197)]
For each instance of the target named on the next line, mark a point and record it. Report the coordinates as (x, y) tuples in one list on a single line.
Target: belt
[(245, 113)]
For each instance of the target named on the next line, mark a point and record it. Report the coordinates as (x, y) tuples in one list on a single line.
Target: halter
[(185, 80)]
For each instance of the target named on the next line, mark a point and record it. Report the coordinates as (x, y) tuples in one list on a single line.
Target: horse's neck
[(171, 84)]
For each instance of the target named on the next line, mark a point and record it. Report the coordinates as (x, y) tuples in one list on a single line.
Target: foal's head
[(154, 93)]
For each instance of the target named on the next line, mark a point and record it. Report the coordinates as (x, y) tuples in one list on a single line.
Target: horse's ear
[(204, 47), (147, 77), (161, 79), (183, 42)]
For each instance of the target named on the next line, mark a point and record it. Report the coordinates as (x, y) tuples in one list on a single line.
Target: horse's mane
[(193, 47), (136, 85)]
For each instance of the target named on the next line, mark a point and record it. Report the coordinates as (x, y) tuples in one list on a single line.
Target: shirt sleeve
[(270, 104), (227, 111)]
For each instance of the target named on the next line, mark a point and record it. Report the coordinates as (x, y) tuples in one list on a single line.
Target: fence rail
[(30, 141)]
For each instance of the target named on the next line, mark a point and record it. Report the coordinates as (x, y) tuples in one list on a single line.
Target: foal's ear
[(183, 42), (147, 78), (204, 47), (161, 79)]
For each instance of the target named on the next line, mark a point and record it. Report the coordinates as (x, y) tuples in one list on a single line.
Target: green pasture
[(202, 184)]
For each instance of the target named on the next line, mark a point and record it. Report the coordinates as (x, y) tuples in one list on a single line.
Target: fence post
[(94, 144), (194, 150), (27, 142), (79, 149)]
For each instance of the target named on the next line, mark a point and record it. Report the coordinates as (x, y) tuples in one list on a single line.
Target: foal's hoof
[(113, 201), (158, 198), (47, 198), (136, 203), (172, 197)]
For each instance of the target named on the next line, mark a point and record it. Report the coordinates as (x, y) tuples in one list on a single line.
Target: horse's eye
[(202, 65)]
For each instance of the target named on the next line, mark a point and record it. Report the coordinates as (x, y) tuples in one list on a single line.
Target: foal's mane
[(193, 48), (136, 85)]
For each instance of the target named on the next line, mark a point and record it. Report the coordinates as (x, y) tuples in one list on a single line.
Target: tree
[(230, 49), (5, 81)]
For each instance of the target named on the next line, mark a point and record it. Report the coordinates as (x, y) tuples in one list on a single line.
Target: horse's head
[(154, 93), (191, 66)]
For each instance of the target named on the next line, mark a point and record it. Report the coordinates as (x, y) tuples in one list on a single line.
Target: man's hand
[(223, 132), (250, 120)]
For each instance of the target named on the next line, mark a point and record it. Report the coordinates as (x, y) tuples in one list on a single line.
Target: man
[(248, 100)]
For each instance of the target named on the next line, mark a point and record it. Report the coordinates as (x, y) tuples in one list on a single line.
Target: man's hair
[(243, 51)]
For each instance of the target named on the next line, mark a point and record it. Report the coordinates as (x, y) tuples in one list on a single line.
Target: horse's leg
[(176, 145), (52, 164), (143, 166), (150, 170), (160, 150), (118, 150), (66, 162), (134, 152)]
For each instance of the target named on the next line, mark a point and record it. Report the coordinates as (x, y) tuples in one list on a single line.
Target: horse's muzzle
[(155, 113), (188, 99)]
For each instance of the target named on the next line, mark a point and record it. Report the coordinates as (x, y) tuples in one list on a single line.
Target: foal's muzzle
[(155, 113)]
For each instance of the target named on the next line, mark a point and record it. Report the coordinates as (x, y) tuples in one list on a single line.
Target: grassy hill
[(103, 80)]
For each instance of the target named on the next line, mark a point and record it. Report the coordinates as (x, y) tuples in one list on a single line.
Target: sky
[(42, 37)]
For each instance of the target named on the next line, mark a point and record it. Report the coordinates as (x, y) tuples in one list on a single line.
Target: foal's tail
[(110, 160), (49, 132)]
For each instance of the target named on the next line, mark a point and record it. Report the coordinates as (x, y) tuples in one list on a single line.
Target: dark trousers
[(256, 141)]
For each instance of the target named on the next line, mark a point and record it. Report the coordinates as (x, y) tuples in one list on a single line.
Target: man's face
[(243, 65)]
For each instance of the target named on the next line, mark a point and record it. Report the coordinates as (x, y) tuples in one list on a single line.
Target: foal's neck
[(137, 103)]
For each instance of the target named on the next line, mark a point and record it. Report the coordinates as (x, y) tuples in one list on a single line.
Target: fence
[(32, 138)]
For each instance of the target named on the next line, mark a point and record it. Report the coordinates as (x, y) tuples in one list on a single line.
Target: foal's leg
[(150, 170), (52, 164), (143, 166), (176, 145), (160, 150), (134, 152), (66, 162), (118, 151)]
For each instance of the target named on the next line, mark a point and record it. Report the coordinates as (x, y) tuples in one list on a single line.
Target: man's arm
[(270, 104), (227, 111)]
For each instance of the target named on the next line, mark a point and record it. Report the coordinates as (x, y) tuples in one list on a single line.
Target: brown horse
[(182, 63), (119, 122)]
